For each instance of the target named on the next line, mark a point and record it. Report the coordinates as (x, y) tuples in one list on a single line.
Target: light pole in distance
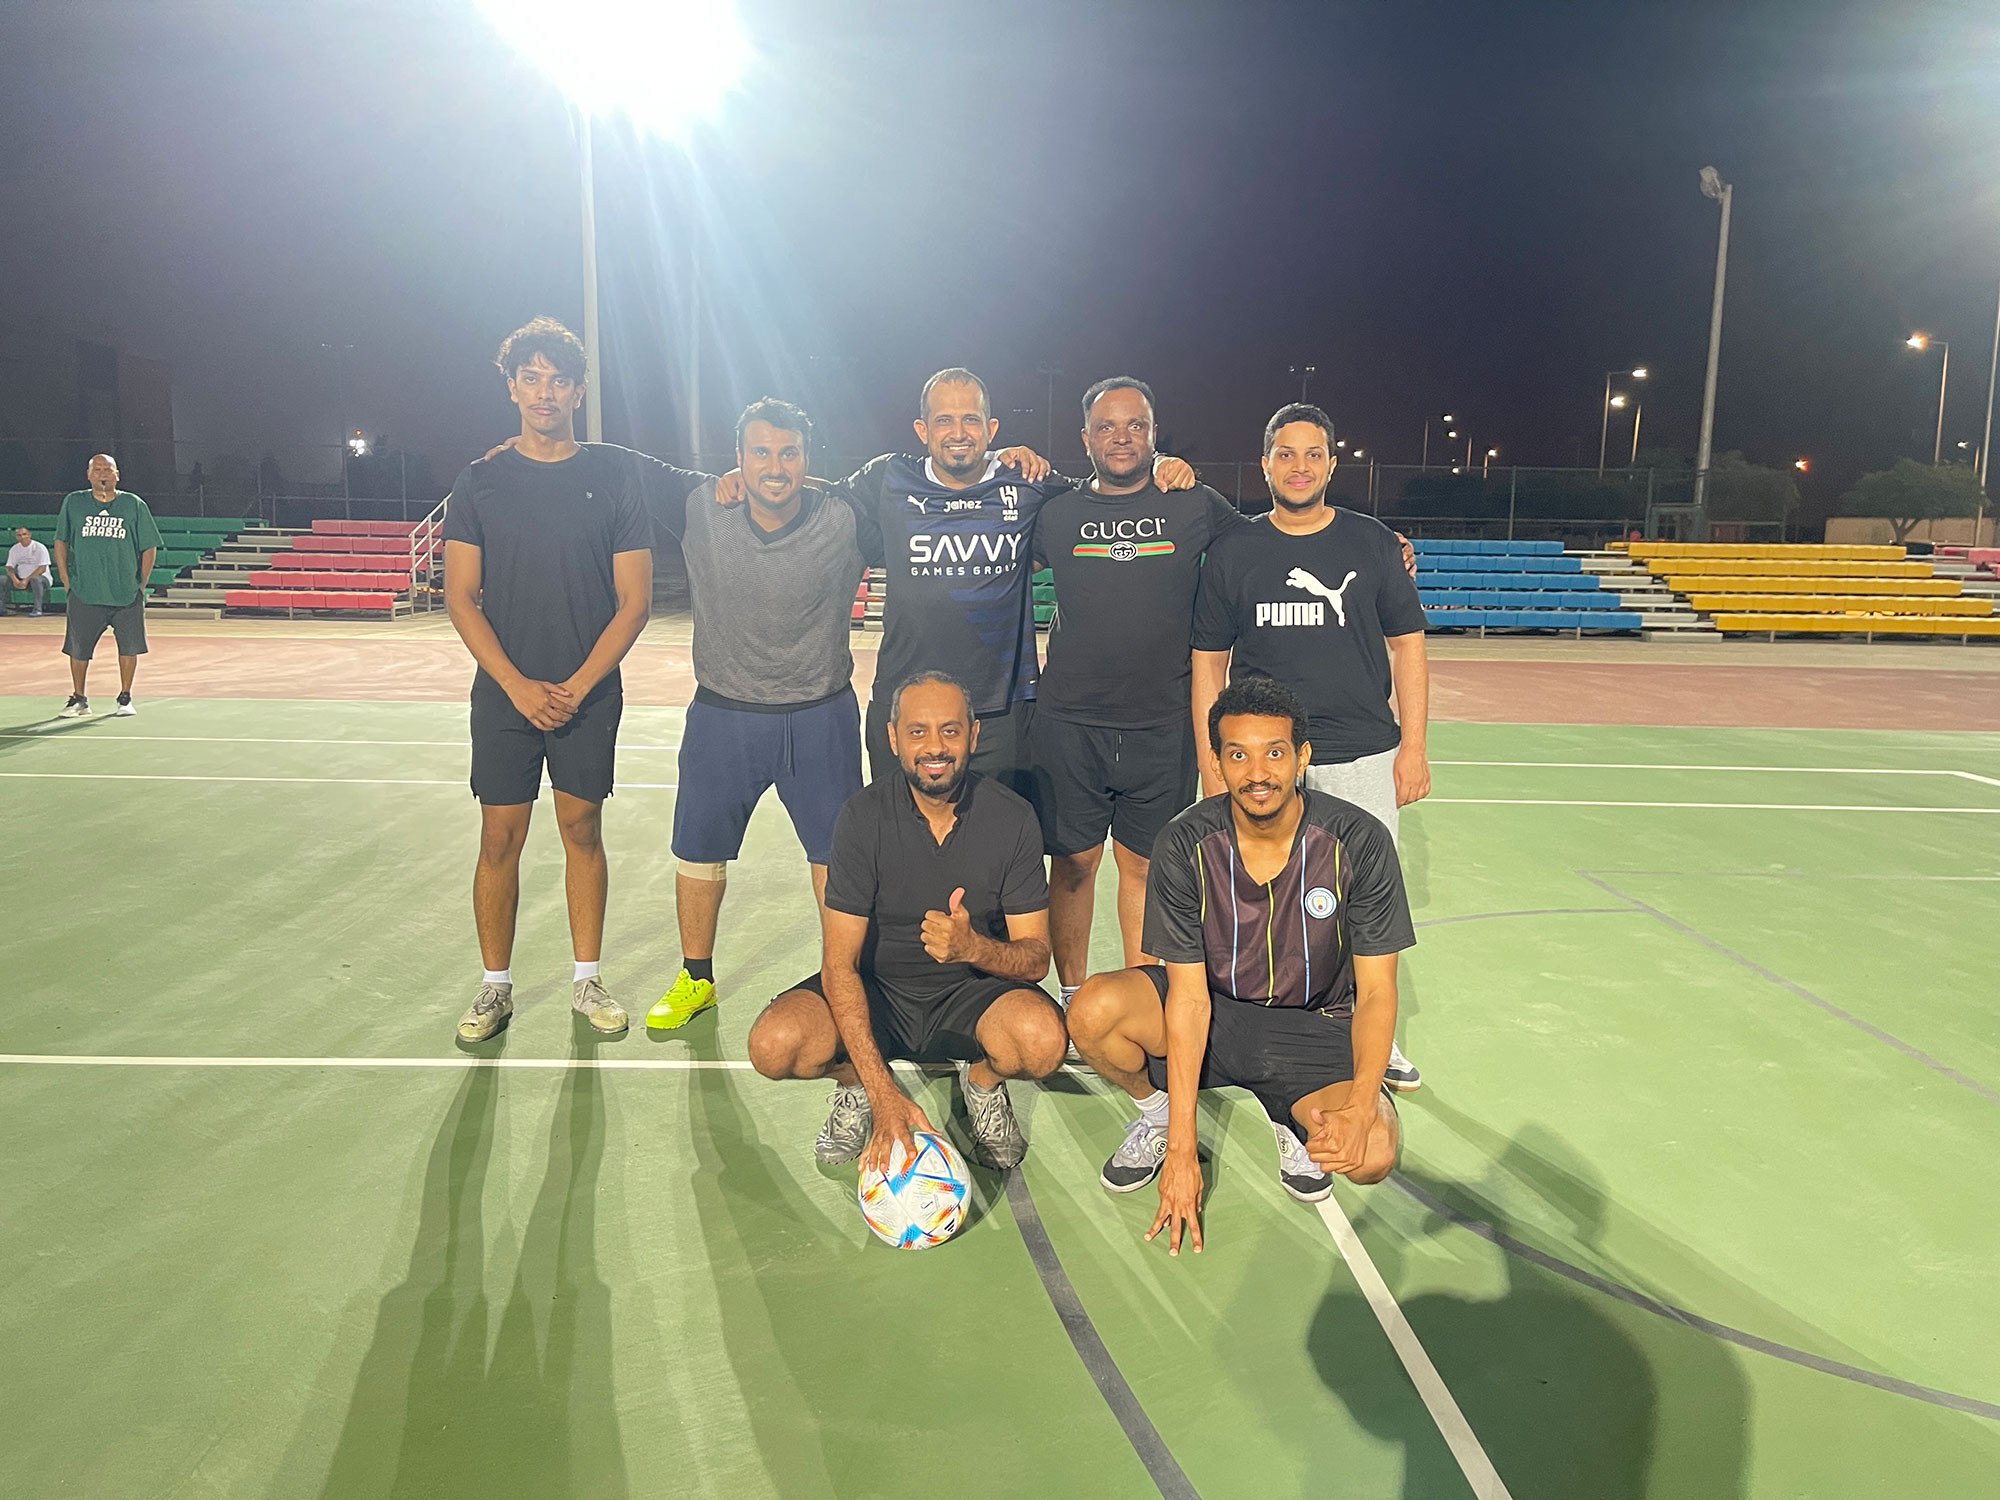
[(1922, 341), (1712, 186), (1638, 372)]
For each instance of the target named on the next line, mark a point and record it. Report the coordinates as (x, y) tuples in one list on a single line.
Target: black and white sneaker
[(125, 708), (1299, 1174), (997, 1141), (1137, 1160), (1401, 1074), (78, 707)]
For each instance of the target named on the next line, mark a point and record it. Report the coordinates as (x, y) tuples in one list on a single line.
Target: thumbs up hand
[(948, 934)]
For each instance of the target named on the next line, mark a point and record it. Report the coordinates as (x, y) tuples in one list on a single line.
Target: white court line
[(1737, 806), (57, 737), (667, 786), (459, 781), (1451, 1424), (602, 1064), (1605, 765)]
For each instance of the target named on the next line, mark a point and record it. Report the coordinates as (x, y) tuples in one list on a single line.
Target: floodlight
[(1359, 454), (1639, 374), (1492, 452), (1451, 434), (661, 63), (1801, 465), (1617, 403), (1918, 340), (358, 445), (1450, 418), (1712, 185)]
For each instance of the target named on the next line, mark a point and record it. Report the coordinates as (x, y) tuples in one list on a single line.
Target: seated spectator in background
[(28, 568)]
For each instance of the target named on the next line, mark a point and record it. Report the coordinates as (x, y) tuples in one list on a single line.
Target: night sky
[(1479, 207)]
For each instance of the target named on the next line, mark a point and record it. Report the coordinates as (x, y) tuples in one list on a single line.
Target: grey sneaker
[(1299, 1174), (1401, 1074), (78, 707), (490, 1012), (1137, 1160), (848, 1125), (593, 1002), (996, 1135), (125, 708)]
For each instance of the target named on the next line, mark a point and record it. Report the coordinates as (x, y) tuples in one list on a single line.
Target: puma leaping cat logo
[(1299, 578)]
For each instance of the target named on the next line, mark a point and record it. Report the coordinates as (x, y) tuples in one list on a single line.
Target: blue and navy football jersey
[(959, 566)]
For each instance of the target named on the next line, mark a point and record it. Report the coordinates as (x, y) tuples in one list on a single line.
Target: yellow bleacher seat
[(1798, 551), (1952, 625), (1774, 604), (1816, 584), (1754, 567)]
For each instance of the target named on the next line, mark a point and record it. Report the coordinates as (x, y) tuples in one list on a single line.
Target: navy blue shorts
[(730, 757)]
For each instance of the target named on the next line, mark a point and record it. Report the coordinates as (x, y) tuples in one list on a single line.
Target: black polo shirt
[(887, 867)]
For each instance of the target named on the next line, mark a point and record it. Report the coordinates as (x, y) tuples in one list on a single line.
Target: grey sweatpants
[(1369, 783)]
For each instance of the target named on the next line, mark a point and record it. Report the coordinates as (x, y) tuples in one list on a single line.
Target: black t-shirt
[(1126, 568), (547, 534), (958, 566), (1314, 612), (887, 867), (1291, 941)]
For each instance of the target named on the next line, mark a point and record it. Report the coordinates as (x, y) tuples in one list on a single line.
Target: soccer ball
[(920, 1201)]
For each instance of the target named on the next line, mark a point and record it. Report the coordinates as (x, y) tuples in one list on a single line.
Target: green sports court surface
[(1698, 1199)]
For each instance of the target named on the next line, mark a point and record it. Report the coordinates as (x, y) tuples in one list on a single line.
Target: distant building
[(72, 395)]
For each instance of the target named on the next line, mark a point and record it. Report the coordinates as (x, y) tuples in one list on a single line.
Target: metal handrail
[(426, 547)]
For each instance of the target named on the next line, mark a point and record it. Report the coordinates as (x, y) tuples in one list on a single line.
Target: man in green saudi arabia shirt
[(105, 541)]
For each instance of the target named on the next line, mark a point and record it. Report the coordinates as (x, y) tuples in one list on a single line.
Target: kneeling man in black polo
[(936, 939)]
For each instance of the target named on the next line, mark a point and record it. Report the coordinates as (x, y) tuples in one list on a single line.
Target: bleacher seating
[(1802, 588), (1513, 585), (184, 541), (344, 566)]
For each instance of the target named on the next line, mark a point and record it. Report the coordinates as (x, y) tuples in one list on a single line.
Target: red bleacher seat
[(307, 599), (345, 562), (294, 578), (363, 528), (350, 542)]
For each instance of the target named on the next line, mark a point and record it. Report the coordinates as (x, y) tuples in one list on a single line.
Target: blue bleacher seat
[(1493, 562), (1535, 619), (1506, 599), (1456, 579), (1489, 549)]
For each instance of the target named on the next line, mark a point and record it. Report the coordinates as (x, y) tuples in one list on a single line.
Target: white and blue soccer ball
[(920, 1201)]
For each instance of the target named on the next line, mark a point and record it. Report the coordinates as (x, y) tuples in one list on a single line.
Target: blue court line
[(1838, 1012), (1971, 1405)]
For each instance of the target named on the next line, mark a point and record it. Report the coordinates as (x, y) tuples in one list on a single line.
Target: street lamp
[(1802, 465), (1920, 342), (1305, 374), (1638, 372), (358, 445), (1491, 454), (1712, 186), (1447, 419), (662, 64)]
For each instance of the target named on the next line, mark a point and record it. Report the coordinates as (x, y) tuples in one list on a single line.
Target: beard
[(1250, 811), (1141, 465), (971, 464), (1286, 502), (945, 789)]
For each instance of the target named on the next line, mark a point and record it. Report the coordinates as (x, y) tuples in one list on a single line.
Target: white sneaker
[(1401, 1074), (1298, 1173), (78, 707), (125, 708)]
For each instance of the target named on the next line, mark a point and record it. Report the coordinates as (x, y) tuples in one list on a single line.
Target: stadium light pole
[(1712, 186), (663, 64), (1920, 342), (1992, 367), (1638, 372)]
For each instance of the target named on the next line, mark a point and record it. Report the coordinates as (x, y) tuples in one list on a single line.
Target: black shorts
[(508, 751), (84, 623), (1129, 782), (730, 757), (1003, 752), (943, 1029), (1280, 1053)]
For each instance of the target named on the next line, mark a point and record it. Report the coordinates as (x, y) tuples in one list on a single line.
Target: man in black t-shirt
[(1279, 913), (1112, 751), (1318, 598), (936, 935), (548, 575)]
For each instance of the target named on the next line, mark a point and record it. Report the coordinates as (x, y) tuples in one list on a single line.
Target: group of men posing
[(1191, 648)]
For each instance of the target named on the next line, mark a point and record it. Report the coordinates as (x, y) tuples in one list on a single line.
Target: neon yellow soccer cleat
[(687, 999)]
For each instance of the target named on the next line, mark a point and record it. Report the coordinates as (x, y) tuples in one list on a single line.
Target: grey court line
[(1500, 1238), (1146, 1441), (1540, 911), (1836, 1011)]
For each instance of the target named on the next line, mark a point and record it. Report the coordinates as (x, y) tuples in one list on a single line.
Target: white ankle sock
[(1154, 1109), (1067, 991), (584, 971), (496, 976)]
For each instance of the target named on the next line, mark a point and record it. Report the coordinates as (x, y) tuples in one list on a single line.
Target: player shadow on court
[(433, 1413), (14, 738), (1560, 1394)]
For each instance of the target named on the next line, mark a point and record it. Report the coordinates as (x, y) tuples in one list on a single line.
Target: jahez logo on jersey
[(951, 556)]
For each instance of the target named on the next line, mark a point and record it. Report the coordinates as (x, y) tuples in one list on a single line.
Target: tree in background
[(1913, 492), (1742, 491)]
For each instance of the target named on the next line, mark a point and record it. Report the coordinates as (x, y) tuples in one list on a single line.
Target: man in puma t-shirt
[(1316, 596)]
